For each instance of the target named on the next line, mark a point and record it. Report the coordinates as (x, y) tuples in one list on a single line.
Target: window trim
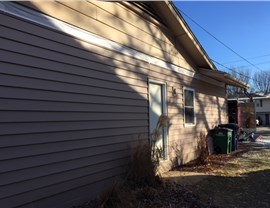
[(259, 103), (184, 107)]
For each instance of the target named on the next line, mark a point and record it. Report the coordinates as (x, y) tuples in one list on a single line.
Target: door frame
[(164, 111)]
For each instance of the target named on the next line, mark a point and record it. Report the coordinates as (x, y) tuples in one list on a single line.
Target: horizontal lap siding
[(104, 172), (71, 110), (115, 22), (69, 114), (210, 110)]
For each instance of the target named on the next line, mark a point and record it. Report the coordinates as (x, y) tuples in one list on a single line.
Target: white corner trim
[(47, 21)]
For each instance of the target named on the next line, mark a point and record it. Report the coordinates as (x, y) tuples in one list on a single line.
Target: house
[(82, 81), (262, 106), (263, 109)]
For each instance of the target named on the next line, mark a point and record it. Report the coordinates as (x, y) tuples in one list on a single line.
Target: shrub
[(178, 151), (146, 157), (202, 149), (142, 169)]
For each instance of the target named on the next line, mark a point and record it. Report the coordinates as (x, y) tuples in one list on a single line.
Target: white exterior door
[(157, 107)]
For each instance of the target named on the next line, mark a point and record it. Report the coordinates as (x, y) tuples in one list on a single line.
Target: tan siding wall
[(210, 108), (70, 110), (115, 22)]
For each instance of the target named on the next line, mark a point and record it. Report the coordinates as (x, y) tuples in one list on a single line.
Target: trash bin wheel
[(217, 149)]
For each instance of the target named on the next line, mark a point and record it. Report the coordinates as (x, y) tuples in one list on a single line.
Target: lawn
[(241, 181)]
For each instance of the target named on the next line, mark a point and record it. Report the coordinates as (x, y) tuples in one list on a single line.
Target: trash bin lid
[(220, 130), (230, 126)]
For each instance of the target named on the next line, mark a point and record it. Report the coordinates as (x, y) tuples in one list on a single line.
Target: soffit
[(223, 77)]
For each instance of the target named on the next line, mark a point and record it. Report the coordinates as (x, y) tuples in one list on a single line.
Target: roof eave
[(192, 37), (224, 77), (184, 35)]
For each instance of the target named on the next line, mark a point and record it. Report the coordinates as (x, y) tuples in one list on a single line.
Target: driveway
[(263, 131), (262, 135)]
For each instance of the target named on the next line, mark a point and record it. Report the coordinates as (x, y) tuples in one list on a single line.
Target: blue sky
[(244, 26)]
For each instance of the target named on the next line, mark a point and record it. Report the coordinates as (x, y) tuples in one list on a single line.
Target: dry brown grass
[(117, 196), (142, 169), (202, 149), (253, 161), (241, 181)]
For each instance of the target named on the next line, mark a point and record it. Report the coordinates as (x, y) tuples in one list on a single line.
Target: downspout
[(248, 95)]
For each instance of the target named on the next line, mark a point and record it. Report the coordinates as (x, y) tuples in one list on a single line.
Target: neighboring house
[(262, 106), (82, 81), (263, 109)]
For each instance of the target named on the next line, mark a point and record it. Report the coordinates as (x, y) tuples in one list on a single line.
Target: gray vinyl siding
[(67, 119), (70, 111)]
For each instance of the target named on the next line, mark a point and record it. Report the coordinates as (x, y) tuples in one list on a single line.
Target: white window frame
[(184, 107)]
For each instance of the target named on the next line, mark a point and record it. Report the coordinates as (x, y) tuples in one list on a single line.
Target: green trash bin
[(222, 140)]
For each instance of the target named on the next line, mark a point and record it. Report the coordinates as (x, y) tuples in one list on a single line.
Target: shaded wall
[(71, 109)]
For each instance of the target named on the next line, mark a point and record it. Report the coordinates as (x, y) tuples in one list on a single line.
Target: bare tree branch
[(261, 81), (241, 74)]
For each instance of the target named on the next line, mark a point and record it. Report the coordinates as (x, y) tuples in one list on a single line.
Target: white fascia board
[(53, 23), (254, 98)]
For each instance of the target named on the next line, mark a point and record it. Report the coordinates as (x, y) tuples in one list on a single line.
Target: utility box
[(222, 140)]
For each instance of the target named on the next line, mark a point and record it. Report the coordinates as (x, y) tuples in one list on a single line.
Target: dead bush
[(178, 151), (142, 169), (202, 149), (146, 157)]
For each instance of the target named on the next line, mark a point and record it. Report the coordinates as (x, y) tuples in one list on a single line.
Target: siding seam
[(43, 19)]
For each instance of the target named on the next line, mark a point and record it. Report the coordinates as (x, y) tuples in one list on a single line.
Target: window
[(259, 103), (189, 111)]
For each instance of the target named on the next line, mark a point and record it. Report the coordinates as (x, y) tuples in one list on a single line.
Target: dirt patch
[(241, 179), (192, 173), (184, 178), (250, 190), (164, 195)]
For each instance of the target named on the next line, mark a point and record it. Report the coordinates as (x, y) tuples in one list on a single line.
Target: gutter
[(224, 77)]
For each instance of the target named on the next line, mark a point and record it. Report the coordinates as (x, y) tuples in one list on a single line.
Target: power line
[(256, 57), (244, 75), (261, 63), (218, 40)]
